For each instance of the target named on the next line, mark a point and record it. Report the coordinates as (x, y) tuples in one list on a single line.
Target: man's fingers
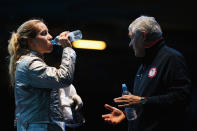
[(121, 101), (108, 120), (109, 107), (125, 105), (105, 116), (124, 97)]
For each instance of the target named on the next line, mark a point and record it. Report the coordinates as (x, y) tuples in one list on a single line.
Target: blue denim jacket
[(33, 83)]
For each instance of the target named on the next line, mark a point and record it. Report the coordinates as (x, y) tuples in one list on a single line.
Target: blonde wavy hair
[(18, 44)]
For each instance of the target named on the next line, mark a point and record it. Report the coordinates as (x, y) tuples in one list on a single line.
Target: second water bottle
[(130, 111)]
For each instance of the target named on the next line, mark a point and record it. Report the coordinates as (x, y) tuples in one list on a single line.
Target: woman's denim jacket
[(34, 83)]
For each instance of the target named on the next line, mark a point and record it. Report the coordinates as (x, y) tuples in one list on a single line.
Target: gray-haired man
[(161, 87)]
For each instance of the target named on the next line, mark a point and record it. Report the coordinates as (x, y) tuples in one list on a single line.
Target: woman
[(34, 81)]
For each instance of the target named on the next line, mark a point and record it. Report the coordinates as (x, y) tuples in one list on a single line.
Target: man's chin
[(139, 55)]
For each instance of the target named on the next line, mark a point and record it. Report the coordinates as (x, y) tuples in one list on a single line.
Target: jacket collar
[(152, 52), (34, 53)]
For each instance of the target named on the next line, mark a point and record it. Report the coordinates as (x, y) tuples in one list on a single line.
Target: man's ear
[(144, 37), (144, 33)]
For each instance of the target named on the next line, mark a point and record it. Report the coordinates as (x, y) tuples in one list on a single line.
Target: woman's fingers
[(63, 39), (64, 34)]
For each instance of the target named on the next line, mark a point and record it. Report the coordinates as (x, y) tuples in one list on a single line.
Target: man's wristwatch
[(143, 100)]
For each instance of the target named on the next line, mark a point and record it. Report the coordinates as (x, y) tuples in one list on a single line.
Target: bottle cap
[(124, 87), (53, 42)]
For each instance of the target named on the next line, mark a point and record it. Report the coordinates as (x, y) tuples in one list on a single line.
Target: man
[(161, 87)]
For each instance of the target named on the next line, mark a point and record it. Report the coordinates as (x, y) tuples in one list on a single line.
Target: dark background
[(99, 74)]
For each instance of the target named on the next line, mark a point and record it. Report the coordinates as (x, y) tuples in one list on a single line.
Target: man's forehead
[(129, 28), (130, 32)]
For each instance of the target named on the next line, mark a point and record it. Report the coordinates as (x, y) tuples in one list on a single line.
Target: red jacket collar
[(154, 42)]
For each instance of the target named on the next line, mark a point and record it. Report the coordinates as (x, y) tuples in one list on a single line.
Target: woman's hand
[(127, 100), (63, 39), (79, 103), (116, 116)]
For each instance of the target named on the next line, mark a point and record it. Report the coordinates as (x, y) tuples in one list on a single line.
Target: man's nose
[(131, 43)]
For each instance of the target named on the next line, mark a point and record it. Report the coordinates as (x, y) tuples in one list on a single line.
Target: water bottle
[(73, 36), (130, 111)]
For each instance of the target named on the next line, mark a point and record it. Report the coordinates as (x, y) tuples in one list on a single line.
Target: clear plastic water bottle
[(73, 36), (130, 111)]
